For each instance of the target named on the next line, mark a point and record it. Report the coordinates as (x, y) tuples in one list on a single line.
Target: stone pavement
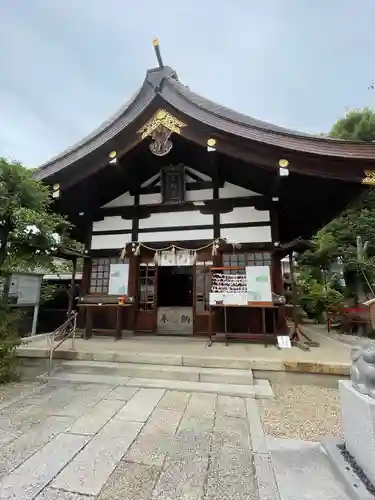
[(96, 442)]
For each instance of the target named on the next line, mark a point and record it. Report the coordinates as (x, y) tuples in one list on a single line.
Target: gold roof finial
[(155, 43)]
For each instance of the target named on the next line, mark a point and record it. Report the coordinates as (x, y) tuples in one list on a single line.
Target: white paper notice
[(283, 341), (258, 284), (118, 279)]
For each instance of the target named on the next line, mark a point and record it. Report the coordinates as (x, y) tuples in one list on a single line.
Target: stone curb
[(265, 478), (264, 472), (328, 368), (344, 471), (258, 439)]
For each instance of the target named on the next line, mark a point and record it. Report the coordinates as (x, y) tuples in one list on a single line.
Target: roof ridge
[(278, 128), (258, 123)]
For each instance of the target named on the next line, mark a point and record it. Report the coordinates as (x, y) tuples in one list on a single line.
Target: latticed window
[(202, 286), (100, 267), (246, 259), (146, 286)]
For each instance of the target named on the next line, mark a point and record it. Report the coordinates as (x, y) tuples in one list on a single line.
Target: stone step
[(150, 371), (261, 389)]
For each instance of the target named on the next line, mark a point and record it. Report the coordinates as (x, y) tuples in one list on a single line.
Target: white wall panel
[(115, 223), (200, 195), (232, 191), (170, 219), (109, 241), (197, 234), (150, 199), (247, 234), (244, 215)]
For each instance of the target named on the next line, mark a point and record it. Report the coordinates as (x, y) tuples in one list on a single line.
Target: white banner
[(176, 258)]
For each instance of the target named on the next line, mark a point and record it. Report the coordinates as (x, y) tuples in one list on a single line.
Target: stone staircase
[(225, 381)]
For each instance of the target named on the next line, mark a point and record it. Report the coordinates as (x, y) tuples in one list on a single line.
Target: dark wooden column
[(214, 169), (276, 267), (135, 221), (133, 267), (72, 286), (86, 274)]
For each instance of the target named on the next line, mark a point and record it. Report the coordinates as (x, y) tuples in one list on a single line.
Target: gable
[(233, 191), (192, 176)]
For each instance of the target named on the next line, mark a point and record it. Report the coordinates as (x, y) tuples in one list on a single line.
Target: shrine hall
[(186, 209)]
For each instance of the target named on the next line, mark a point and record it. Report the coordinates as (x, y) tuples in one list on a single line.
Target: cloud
[(67, 65)]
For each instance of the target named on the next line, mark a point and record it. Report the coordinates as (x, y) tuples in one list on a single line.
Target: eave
[(237, 136)]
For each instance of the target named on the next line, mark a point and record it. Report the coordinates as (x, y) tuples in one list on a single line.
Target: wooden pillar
[(135, 221), (133, 268), (133, 290), (86, 275), (72, 286), (89, 322), (276, 267), (214, 170)]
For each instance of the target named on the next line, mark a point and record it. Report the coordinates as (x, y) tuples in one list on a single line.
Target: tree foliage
[(30, 233), (338, 238), (356, 125), (29, 230)]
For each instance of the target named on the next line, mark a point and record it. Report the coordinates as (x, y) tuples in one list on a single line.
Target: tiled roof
[(164, 82)]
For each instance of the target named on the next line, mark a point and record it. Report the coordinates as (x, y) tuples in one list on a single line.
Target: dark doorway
[(175, 286)]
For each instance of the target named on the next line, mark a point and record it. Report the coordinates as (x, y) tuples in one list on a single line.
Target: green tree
[(338, 238), (356, 125), (30, 233)]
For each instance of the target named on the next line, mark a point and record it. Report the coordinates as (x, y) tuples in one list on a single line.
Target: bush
[(316, 298), (9, 340)]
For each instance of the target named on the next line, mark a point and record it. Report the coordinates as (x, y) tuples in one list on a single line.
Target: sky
[(68, 65)]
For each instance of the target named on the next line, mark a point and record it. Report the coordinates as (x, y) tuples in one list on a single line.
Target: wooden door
[(146, 320)]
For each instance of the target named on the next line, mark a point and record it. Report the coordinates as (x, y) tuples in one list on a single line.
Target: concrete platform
[(332, 357), (260, 390), (144, 370)]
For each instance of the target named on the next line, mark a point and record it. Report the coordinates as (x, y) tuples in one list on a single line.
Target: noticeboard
[(258, 284), (241, 289), (24, 289), (118, 279)]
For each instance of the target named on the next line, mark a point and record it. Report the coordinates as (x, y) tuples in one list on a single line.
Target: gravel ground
[(302, 412), (16, 390)]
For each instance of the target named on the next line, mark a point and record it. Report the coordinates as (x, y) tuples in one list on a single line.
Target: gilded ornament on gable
[(370, 178), (160, 127)]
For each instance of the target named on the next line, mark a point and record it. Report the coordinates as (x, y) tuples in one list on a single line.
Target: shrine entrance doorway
[(175, 300)]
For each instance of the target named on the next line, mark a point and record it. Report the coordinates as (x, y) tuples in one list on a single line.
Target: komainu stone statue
[(362, 372)]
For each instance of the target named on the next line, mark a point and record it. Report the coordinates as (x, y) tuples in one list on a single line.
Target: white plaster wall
[(232, 191), (228, 191), (124, 200), (245, 215), (198, 234), (109, 241), (150, 199), (170, 219), (201, 195), (115, 223), (247, 234)]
